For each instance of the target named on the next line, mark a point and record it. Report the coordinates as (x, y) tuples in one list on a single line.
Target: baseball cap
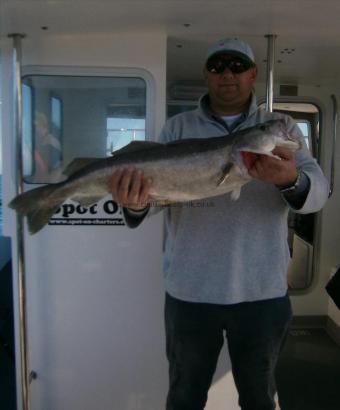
[(232, 46)]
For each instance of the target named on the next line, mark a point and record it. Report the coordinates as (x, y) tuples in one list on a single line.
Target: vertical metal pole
[(335, 123), (20, 231), (270, 71)]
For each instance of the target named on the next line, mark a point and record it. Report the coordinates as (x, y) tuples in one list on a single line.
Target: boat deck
[(308, 372)]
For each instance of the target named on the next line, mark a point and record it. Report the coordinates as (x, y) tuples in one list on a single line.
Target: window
[(305, 128), (126, 120), (121, 131), (68, 117)]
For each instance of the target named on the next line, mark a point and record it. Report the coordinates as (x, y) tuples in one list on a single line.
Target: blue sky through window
[(121, 131)]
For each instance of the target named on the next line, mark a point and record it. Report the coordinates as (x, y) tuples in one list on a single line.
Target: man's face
[(229, 88)]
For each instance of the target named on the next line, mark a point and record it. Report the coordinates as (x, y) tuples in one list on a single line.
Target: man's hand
[(129, 189), (280, 172)]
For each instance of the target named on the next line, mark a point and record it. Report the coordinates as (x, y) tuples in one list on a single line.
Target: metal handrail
[(20, 249), (270, 71), (335, 123)]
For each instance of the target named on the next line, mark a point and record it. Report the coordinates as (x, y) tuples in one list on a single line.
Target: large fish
[(182, 170)]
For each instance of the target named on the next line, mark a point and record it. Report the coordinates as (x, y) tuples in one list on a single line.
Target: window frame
[(32, 130)]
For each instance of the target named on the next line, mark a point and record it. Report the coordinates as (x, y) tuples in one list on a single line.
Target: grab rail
[(335, 122)]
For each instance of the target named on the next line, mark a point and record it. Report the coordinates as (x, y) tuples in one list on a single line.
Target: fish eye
[(262, 127)]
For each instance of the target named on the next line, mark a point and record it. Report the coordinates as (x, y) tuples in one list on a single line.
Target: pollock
[(181, 170)]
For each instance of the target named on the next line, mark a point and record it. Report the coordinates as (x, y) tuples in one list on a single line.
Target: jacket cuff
[(134, 218), (297, 194)]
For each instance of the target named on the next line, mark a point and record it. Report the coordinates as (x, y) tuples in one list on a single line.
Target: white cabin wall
[(94, 294)]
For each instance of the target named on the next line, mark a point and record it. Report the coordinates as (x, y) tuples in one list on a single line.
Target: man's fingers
[(257, 169), (269, 169), (135, 186), (144, 195), (124, 187), (253, 172), (128, 188), (115, 183), (283, 153)]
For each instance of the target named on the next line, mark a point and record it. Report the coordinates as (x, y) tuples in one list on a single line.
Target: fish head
[(262, 139)]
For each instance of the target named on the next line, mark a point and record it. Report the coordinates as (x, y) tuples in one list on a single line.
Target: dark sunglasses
[(236, 65)]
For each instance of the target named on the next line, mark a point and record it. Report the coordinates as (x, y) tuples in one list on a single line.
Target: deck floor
[(308, 372)]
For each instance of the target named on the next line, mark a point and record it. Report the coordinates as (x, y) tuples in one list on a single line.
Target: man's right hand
[(129, 189)]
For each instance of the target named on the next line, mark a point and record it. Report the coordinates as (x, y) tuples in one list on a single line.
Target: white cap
[(232, 46)]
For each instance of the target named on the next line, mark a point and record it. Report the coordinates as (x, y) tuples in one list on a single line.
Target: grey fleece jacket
[(223, 251)]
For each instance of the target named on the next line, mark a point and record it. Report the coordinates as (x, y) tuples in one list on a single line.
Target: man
[(225, 264)]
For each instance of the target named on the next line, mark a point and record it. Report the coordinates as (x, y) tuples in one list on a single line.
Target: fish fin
[(235, 194), (38, 205), (87, 200), (135, 146), (225, 173), (183, 141), (77, 164)]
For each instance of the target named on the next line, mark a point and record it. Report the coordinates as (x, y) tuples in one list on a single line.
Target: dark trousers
[(255, 332)]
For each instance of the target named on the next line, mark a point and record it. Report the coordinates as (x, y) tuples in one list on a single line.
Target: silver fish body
[(182, 170)]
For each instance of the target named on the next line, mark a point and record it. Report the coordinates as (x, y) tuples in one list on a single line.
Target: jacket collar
[(205, 111)]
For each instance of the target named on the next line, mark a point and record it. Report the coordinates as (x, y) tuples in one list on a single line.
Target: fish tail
[(38, 205)]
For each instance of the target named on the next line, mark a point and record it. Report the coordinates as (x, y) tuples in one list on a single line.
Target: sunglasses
[(236, 65)]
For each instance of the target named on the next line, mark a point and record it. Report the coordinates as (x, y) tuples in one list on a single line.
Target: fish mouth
[(248, 159), (244, 161)]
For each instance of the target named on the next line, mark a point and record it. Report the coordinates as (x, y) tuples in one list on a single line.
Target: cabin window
[(121, 131), (125, 123), (68, 117), (304, 126)]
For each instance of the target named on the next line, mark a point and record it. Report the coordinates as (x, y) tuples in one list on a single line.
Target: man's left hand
[(281, 172)]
